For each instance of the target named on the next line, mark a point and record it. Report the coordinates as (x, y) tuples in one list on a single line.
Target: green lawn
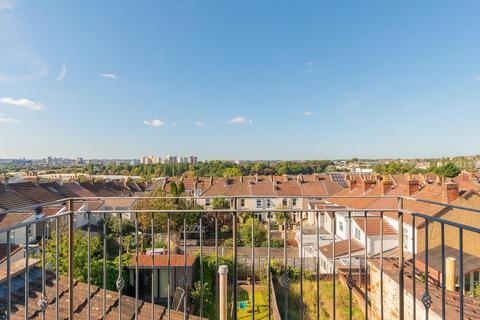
[(261, 302), (342, 306)]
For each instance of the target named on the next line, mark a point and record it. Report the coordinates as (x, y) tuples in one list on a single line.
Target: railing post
[(70, 258), (222, 273), (401, 259)]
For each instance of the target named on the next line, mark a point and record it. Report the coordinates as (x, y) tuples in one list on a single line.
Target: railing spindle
[(120, 276), (301, 265), (334, 305), (269, 276), (253, 265), (365, 224), (285, 279), (27, 273), (217, 288), (350, 282), (57, 279), (9, 278), (169, 274), (381, 265), (401, 286), (427, 301), (136, 266), (460, 273), (152, 300), (71, 226), (442, 234), (235, 257), (89, 231), (185, 277), (43, 302), (104, 282), (201, 266), (317, 263)]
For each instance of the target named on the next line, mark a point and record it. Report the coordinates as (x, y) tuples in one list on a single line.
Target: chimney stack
[(413, 187), (352, 183), (367, 184), (387, 186), (452, 191)]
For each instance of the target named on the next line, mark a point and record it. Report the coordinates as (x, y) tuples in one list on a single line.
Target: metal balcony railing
[(44, 282)]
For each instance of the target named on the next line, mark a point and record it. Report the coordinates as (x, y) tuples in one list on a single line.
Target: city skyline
[(239, 80)]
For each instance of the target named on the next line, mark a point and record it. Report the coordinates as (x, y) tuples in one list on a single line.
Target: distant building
[(422, 165), (149, 160), (134, 162), (192, 159), (171, 159), (477, 165)]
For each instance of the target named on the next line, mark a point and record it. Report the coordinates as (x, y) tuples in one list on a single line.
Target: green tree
[(80, 259), (232, 172), (448, 170), (259, 233)]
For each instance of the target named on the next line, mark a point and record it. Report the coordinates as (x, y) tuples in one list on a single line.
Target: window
[(259, 203), (207, 202), (242, 203), (357, 233), (340, 226), (285, 202), (294, 201), (269, 203)]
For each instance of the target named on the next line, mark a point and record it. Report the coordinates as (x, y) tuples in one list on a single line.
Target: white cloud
[(240, 120), (108, 75), (477, 78), (200, 124), (63, 72), (154, 123), (22, 102), (6, 120), (174, 124), (307, 114), (310, 67), (7, 4)]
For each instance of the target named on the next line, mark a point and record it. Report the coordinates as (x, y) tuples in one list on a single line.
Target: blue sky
[(239, 79)]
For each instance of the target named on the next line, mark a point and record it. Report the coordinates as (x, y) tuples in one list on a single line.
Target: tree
[(259, 233), (283, 216), (232, 172), (80, 259), (448, 170)]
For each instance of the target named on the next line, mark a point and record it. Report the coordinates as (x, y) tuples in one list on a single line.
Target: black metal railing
[(68, 297)]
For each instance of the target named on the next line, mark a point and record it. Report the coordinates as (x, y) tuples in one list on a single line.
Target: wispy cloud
[(37, 67), (307, 114), (22, 102), (477, 78), (310, 67), (63, 72), (200, 124), (154, 123), (240, 120), (6, 120), (108, 76), (7, 4)]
